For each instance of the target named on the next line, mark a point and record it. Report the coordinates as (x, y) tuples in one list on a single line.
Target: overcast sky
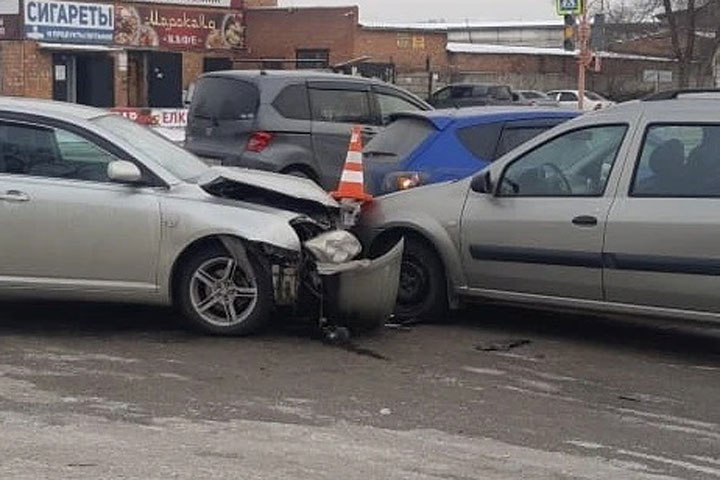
[(450, 10)]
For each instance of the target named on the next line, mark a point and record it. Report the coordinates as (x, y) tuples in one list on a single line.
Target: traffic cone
[(352, 182)]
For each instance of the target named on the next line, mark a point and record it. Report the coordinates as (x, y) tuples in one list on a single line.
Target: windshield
[(181, 163), (594, 96), (533, 95)]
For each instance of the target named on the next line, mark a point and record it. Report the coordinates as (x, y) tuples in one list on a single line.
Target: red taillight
[(259, 141)]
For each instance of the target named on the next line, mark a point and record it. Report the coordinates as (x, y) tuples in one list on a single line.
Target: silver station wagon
[(616, 211), (95, 207)]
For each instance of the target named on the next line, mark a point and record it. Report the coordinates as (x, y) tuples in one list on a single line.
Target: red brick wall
[(278, 33), (407, 50), (26, 70)]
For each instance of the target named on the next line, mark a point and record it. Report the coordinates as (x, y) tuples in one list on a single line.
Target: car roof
[(50, 108), (444, 117), (255, 75)]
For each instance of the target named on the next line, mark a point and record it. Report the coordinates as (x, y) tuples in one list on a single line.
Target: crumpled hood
[(279, 186)]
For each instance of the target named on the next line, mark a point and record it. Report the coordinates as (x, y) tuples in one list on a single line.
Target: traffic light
[(569, 33)]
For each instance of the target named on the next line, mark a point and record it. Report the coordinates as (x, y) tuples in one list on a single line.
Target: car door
[(336, 107), (541, 232), (65, 225), (662, 246)]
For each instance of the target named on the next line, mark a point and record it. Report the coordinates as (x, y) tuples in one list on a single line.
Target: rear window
[(224, 99), (515, 136), (399, 140), (293, 103), (481, 140)]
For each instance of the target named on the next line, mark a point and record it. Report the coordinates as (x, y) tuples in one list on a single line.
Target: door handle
[(14, 196), (585, 221)]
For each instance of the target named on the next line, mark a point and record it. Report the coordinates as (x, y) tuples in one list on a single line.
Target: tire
[(423, 289), (207, 297)]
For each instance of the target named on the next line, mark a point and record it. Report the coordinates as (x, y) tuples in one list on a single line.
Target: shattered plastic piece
[(502, 346), (338, 246)]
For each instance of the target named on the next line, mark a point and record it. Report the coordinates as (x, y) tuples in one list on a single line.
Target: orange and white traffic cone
[(352, 183), (351, 190)]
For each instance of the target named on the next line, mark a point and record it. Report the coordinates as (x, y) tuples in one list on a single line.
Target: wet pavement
[(108, 391)]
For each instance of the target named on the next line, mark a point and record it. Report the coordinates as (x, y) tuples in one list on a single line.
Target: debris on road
[(503, 346)]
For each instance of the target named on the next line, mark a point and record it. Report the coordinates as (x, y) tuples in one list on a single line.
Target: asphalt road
[(107, 391)]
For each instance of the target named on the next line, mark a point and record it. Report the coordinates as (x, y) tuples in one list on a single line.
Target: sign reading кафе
[(178, 28), (69, 22)]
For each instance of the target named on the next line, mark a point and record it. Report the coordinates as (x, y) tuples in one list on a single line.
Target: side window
[(340, 106), (391, 104), (47, 152), (568, 97), (293, 103), (514, 137), (481, 140), (679, 161), (460, 91), (577, 163), (500, 93)]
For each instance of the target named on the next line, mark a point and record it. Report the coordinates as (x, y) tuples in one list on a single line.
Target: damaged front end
[(358, 294), (324, 279)]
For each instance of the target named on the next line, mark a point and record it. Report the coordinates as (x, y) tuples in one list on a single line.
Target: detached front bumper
[(361, 294)]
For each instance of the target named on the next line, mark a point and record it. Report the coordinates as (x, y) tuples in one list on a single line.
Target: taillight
[(259, 141)]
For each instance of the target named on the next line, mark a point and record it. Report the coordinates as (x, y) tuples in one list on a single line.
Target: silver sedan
[(95, 207)]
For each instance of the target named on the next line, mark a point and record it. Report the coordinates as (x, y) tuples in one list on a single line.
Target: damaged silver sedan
[(95, 207)]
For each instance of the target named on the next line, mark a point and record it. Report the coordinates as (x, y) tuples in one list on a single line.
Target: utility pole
[(585, 56)]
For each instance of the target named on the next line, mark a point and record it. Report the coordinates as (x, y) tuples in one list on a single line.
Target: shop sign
[(178, 28), (159, 117), (10, 23), (69, 22), (235, 4)]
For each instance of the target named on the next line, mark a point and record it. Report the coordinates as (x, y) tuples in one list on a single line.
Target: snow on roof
[(489, 49), (444, 27)]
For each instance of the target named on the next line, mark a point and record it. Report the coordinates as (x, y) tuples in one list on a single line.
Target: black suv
[(295, 122)]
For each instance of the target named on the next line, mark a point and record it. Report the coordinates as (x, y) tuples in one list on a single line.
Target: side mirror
[(482, 183), (122, 171)]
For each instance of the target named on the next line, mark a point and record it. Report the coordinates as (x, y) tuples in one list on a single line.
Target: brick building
[(134, 53)]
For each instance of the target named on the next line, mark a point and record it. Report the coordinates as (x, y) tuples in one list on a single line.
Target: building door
[(86, 79), (94, 80), (214, 64), (64, 78), (164, 79)]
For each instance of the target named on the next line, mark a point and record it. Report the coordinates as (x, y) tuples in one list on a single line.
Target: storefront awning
[(77, 47)]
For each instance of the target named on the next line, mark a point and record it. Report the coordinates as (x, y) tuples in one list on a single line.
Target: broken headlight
[(337, 246)]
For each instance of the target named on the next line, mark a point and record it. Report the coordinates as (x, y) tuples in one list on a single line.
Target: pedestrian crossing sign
[(569, 7)]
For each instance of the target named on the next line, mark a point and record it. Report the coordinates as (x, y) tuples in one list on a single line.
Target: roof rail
[(674, 94)]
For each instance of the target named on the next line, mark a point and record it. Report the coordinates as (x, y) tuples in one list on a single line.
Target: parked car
[(96, 207), (614, 211), (536, 98), (569, 99), (295, 122), (460, 95), (428, 147)]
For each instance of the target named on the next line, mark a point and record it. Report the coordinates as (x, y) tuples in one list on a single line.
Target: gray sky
[(450, 10)]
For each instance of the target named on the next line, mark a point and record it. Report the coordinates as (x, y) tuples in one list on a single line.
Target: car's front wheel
[(222, 296), (422, 293)]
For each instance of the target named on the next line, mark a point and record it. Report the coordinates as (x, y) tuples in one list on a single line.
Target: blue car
[(428, 147)]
